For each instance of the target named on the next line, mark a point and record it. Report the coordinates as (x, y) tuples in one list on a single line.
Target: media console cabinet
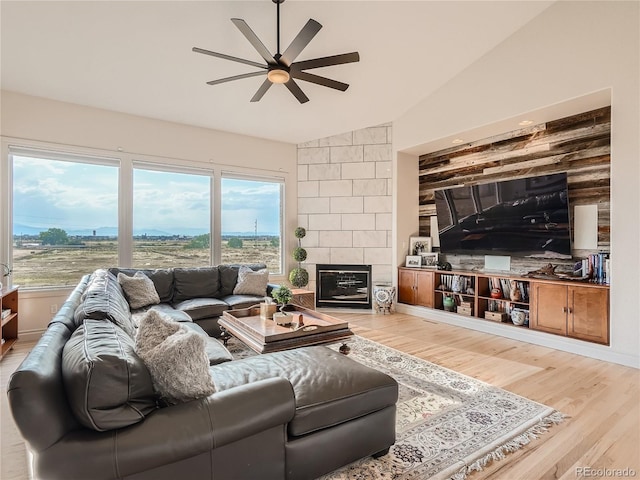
[(562, 307)]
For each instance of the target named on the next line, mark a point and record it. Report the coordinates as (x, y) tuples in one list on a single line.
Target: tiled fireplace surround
[(344, 201)]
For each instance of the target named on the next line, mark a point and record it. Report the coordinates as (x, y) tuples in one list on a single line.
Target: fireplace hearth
[(344, 286)]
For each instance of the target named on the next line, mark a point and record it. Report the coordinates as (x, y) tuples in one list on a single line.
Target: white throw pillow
[(139, 290), (175, 357), (251, 282)]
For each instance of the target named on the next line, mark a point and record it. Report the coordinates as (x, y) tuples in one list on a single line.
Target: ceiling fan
[(281, 68)]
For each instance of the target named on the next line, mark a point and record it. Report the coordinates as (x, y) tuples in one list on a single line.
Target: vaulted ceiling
[(136, 58)]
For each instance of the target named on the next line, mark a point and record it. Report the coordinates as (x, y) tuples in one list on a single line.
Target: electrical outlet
[(54, 308)]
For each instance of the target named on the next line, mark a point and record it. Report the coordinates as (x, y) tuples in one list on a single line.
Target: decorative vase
[(448, 303), (518, 316), (383, 294), (514, 292), (496, 293)]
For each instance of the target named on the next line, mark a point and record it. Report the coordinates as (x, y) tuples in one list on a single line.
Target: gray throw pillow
[(139, 290), (251, 283), (176, 358)]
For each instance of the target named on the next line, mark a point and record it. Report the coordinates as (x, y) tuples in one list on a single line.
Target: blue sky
[(75, 196)]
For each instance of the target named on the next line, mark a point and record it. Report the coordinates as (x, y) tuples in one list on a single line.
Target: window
[(251, 216), (171, 218), (67, 211), (65, 217)]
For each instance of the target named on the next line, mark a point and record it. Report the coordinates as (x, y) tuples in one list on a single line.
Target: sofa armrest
[(271, 287), (171, 434), (249, 409)]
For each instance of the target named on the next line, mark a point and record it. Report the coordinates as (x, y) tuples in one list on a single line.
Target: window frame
[(180, 169), (125, 162), (234, 175), (72, 156)]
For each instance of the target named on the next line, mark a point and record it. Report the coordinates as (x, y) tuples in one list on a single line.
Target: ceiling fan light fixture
[(278, 75)]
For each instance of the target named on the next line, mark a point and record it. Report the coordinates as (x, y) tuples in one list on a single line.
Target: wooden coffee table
[(264, 335)]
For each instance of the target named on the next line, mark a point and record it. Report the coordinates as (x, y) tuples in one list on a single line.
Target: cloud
[(70, 195)]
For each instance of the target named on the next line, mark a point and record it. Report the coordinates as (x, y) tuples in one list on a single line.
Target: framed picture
[(413, 261), (419, 245), (429, 260)]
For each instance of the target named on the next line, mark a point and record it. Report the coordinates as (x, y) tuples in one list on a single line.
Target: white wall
[(571, 50), (32, 121)]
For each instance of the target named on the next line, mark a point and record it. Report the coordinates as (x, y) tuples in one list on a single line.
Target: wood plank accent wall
[(579, 145)]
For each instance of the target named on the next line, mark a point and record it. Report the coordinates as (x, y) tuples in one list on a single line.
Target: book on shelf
[(596, 267), (6, 312)]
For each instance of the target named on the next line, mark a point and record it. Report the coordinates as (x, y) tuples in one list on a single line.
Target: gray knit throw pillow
[(175, 357), (251, 282), (139, 290)]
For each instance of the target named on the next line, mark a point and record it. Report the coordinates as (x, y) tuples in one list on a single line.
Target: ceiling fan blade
[(229, 57), (297, 92), (254, 40), (262, 90), (325, 82), (235, 77), (327, 61), (298, 44)]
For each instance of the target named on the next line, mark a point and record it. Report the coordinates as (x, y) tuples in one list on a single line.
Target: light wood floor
[(602, 399)]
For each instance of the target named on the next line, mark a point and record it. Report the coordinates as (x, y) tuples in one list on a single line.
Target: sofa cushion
[(330, 388), (104, 300), (108, 386), (198, 308), (139, 290), (162, 279), (251, 282), (216, 352), (195, 283), (229, 276), (236, 302), (165, 308), (175, 357), (228, 279)]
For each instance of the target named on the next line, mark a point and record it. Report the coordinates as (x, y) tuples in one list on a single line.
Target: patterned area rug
[(448, 425)]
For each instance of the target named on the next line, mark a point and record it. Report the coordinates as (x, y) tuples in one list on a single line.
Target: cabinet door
[(589, 314), (406, 286), (424, 291), (549, 308)]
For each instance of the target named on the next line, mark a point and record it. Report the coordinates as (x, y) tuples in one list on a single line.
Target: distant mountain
[(249, 234), (21, 229)]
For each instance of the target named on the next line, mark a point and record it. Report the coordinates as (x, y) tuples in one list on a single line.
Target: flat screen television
[(526, 217)]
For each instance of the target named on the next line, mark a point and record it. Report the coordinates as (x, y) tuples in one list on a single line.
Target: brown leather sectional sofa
[(296, 414)]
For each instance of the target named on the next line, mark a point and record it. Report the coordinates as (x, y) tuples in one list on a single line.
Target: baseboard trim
[(30, 335)]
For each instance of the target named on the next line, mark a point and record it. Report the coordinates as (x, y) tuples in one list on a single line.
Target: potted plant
[(299, 277), (282, 295)]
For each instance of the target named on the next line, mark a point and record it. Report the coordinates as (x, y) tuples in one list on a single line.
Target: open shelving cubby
[(460, 286), (9, 327), (508, 298)]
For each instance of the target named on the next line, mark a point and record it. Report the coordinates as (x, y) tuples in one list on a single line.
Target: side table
[(304, 298)]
